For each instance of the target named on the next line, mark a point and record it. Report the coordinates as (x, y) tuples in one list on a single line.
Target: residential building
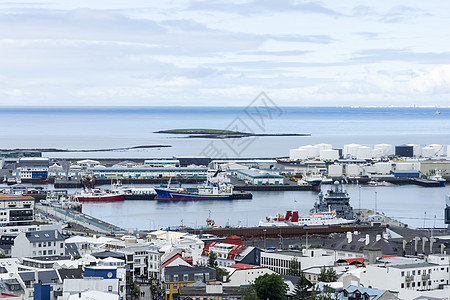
[(217, 291), (38, 243), (430, 274), (280, 261), (226, 252), (178, 276), (359, 292), (76, 286), (243, 274)]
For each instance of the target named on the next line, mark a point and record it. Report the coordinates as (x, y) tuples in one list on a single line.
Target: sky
[(224, 53)]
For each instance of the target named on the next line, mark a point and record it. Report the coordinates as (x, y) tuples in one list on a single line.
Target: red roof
[(245, 266), (235, 249), (233, 239), (5, 295), (178, 255), (205, 251), (350, 261)]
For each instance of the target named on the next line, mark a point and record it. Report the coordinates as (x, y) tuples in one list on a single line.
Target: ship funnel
[(294, 216), (288, 215)]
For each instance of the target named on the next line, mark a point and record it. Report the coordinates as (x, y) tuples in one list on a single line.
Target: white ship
[(292, 218)]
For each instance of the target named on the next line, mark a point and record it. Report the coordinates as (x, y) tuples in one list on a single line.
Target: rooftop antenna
[(424, 216)]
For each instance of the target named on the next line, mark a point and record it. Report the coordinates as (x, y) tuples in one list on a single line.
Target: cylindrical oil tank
[(335, 170), (428, 152), (329, 154), (383, 168), (448, 150), (352, 170), (313, 151), (364, 152), (350, 150), (386, 149), (417, 150), (404, 151), (324, 146), (296, 154), (438, 149), (378, 153)]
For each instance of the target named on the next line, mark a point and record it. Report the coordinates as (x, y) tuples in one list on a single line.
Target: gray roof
[(44, 276), (44, 236), (260, 174), (192, 290), (412, 266), (187, 270), (70, 273), (72, 249), (50, 258)]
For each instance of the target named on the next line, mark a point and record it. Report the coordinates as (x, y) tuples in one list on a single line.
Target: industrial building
[(259, 177)]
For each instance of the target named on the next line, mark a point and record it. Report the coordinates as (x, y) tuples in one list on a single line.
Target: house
[(48, 277), (38, 243), (243, 274), (74, 287), (358, 292), (259, 177), (217, 291), (178, 276), (230, 252)]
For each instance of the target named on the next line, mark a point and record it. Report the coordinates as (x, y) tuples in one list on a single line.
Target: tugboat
[(336, 199), (437, 176)]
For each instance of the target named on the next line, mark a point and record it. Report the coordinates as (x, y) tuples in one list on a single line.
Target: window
[(413, 284), (402, 285), (61, 245), (185, 277), (45, 252), (418, 272), (414, 272), (175, 277), (109, 288), (418, 284), (167, 286), (403, 273), (50, 252), (175, 286)]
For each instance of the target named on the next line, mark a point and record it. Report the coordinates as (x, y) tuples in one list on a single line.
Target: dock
[(78, 218), (274, 232)]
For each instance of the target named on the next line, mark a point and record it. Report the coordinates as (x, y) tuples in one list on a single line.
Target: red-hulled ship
[(98, 195)]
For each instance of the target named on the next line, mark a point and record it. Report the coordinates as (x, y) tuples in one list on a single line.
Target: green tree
[(294, 267), (328, 275), (270, 286), (326, 294), (301, 289), (250, 294), (212, 260), (220, 273)]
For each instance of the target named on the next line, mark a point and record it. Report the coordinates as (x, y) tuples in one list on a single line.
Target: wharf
[(242, 195), (276, 188), (78, 218), (274, 232), (424, 182)]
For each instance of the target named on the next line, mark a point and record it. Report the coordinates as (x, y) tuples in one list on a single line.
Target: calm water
[(406, 203), (97, 128)]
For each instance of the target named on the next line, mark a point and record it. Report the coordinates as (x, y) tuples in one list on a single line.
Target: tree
[(212, 260), (301, 288), (326, 294), (328, 275), (270, 286), (294, 268), (250, 294)]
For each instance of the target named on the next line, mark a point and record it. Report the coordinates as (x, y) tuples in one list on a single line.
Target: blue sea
[(118, 127)]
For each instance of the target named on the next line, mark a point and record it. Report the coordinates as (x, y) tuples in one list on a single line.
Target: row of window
[(48, 244), (419, 272), (46, 252)]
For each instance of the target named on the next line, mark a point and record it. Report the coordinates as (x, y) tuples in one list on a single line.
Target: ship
[(437, 176), (336, 199), (98, 195), (212, 189), (292, 218)]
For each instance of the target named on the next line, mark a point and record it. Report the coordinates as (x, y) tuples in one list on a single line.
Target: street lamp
[(264, 238)]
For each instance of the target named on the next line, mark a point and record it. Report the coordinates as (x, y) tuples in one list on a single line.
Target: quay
[(274, 232), (78, 218), (424, 182)]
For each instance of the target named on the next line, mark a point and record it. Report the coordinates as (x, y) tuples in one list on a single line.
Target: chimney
[(442, 248), (367, 239), (432, 241), (378, 237), (56, 234), (424, 240), (349, 237)]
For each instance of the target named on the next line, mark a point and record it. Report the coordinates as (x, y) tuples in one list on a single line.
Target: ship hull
[(100, 197), (168, 195)]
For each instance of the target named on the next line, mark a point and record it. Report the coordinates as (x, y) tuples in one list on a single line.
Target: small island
[(223, 134)]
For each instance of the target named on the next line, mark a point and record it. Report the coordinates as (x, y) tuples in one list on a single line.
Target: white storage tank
[(335, 170), (448, 151), (438, 149), (296, 154), (383, 168), (386, 149), (353, 170), (329, 154), (364, 152), (378, 153), (313, 151), (404, 166), (324, 146), (417, 151), (428, 152), (350, 150)]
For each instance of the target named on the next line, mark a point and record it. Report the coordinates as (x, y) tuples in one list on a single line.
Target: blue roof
[(373, 293)]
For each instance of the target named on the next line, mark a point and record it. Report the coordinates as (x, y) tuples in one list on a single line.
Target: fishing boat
[(437, 176), (98, 195)]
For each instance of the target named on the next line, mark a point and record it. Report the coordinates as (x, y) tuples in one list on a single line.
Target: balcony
[(409, 278), (425, 277)]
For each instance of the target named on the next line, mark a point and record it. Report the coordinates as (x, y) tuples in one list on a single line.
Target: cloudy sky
[(222, 52)]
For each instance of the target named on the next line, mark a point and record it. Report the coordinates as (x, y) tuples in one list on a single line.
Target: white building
[(79, 286), (280, 261), (38, 243), (404, 278), (244, 274), (258, 177)]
